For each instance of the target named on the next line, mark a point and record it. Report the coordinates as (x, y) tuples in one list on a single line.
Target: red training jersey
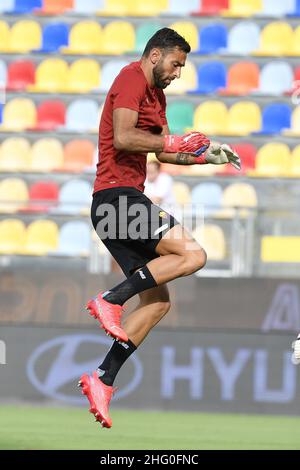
[(130, 89)]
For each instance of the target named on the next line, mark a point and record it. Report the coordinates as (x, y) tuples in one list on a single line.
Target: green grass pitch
[(32, 428)]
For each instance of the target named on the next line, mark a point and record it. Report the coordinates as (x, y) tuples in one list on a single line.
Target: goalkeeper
[(157, 249)]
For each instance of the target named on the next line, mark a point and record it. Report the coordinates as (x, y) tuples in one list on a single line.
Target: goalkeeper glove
[(192, 142), (217, 154)]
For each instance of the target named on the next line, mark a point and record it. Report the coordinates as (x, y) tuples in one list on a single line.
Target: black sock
[(114, 360), (138, 282)]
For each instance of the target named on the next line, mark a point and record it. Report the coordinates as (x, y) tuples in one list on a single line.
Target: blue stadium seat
[(74, 197), (55, 35), (243, 38), (276, 78), (277, 7), (212, 38), (3, 74), (7, 6), (82, 115), (109, 72), (178, 7), (296, 11), (86, 7), (275, 118), (209, 195), (26, 6), (74, 238), (211, 77)]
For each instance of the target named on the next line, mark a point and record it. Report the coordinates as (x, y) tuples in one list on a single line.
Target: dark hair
[(166, 39)]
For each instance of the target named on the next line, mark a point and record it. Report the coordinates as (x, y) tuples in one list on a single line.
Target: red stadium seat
[(42, 195), (20, 74), (50, 115), (247, 152), (211, 7), (54, 7)]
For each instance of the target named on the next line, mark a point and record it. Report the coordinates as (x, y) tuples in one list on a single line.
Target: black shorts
[(129, 225)]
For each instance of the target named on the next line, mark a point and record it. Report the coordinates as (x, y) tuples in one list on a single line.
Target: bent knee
[(194, 261)]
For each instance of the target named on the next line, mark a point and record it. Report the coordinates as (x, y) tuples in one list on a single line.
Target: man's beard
[(158, 73)]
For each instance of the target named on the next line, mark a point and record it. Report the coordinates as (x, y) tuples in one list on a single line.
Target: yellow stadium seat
[(276, 38), (41, 238), (115, 8), (182, 193), (211, 117), (295, 124), (188, 80), (19, 114), (243, 8), (142, 8), (189, 31), (273, 159), (47, 155), (243, 118), (280, 249), (51, 76), (211, 238), (4, 36), (118, 38), (12, 236), (237, 196), (15, 154), (86, 37), (13, 194), (295, 158), (84, 76), (25, 36), (296, 42)]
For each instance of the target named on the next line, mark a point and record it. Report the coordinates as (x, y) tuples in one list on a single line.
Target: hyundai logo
[(64, 369)]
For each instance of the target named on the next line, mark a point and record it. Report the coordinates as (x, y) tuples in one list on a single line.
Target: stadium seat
[(21, 73), (295, 124), (47, 155), (207, 197), (141, 8), (182, 192), (7, 6), (211, 7), (3, 74), (180, 116), (19, 114), (295, 162), (243, 38), (280, 249), (276, 39), (25, 36), (188, 80), (78, 155), (12, 236), (247, 152), (275, 118), (84, 76), (109, 72), (42, 196), (296, 45), (277, 7), (22, 7), (244, 117), (211, 77), (273, 159), (242, 79), (15, 154), (143, 33), (211, 117), (240, 196), (4, 36), (212, 238), (74, 238), (74, 197), (54, 7), (178, 7), (51, 115), (115, 8), (51, 76), (85, 37), (213, 38), (88, 7), (55, 36), (41, 238), (189, 31), (237, 8), (118, 38), (296, 9), (13, 194), (83, 116), (276, 78)]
